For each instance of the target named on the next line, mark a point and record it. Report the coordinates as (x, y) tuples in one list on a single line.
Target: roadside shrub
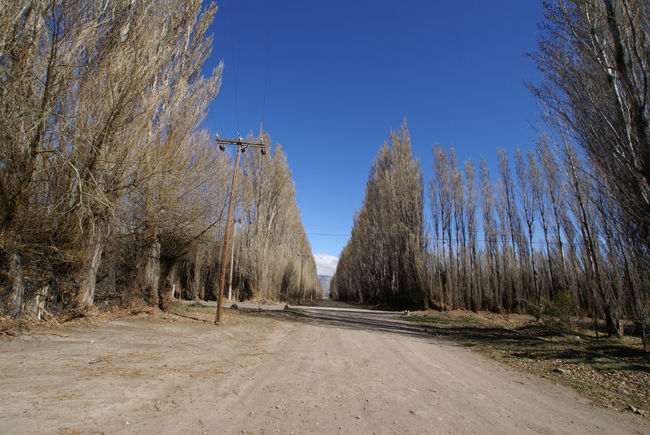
[(559, 307)]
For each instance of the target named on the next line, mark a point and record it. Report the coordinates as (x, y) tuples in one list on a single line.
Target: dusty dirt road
[(333, 369)]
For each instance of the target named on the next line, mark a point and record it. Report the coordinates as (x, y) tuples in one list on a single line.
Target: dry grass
[(189, 311), (178, 311), (611, 373)]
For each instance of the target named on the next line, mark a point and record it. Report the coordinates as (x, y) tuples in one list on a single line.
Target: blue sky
[(343, 73)]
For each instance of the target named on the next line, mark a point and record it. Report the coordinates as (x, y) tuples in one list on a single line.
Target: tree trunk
[(613, 322), (196, 276), (151, 272), (86, 294), (173, 287), (35, 307), (17, 286)]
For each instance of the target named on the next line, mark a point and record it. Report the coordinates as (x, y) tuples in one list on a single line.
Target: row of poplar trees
[(568, 221), (109, 188)]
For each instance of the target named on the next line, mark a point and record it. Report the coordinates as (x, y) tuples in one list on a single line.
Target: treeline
[(272, 254), (562, 226), (544, 229), (109, 190)]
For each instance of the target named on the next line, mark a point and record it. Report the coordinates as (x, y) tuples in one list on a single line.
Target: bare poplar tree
[(595, 57), (491, 237), (460, 226), (440, 186), (527, 195), (540, 202), (385, 260), (511, 226), (472, 232), (582, 207), (552, 185)]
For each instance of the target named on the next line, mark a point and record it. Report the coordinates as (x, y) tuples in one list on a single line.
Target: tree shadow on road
[(610, 372), (354, 319), (541, 342), (528, 342)]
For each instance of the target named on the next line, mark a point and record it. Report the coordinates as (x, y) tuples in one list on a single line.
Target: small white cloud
[(326, 264)]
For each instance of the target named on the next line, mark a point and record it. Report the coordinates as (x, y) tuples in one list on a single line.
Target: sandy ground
[(334, 370)]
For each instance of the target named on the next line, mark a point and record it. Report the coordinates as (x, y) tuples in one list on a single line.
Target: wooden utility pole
[(232, 260), (241, 145)]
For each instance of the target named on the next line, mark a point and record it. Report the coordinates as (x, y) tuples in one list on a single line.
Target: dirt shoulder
[(611, 373), (122, 375)]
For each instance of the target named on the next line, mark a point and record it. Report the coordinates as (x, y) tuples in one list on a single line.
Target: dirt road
[(333, 369)]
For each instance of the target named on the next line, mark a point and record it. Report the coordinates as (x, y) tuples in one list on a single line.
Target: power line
[(498, 238), (328, 234), (234, 65), (268, 56)]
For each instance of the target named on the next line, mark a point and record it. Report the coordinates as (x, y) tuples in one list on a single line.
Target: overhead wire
[(268, 56), (234, 64), (497, 238)]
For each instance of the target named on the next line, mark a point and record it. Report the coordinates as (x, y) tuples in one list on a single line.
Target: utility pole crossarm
[(242, 143)]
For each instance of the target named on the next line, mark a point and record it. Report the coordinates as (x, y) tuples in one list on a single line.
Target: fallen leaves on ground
[(613, 373)]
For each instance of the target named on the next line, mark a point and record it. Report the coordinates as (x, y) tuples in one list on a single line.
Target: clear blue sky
[(342, 73)]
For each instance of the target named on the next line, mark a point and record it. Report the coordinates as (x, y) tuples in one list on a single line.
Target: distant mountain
[(325, 284)]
